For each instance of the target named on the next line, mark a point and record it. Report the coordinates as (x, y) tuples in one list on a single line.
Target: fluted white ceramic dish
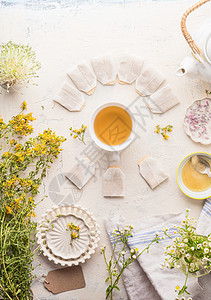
[(195, 195), (78, 211), (58, 237), (190, 128)]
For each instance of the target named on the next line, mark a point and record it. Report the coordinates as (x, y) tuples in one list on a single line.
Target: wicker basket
[(196, 50)]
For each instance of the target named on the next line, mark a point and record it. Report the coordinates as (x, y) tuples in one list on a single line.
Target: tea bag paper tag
[(66, 279)]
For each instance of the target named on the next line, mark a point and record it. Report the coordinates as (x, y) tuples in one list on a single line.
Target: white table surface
[(64, 37)]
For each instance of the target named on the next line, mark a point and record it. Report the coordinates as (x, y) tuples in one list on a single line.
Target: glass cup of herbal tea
[(112, 127), (190, 181)]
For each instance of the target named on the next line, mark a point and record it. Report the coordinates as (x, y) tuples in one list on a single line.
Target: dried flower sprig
[(22, 167), (79, 133), (120, 258), (163, 131), (74, 231), (18, 65), (189, 252)]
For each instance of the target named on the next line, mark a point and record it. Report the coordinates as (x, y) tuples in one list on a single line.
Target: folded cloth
[(69, 97), (204, 222), (164, 281), (104, 68), (148, 81), (162, 100), (83, 77), (204, 228), (152, 171), (136, 282), (81, 172), (129, 68)]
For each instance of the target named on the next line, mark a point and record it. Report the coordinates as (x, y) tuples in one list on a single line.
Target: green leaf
[(187, 261), (193, 271), (116, 287), (108, 289), (107, 279)]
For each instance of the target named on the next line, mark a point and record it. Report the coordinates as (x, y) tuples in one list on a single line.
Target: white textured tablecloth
[(66, 37)]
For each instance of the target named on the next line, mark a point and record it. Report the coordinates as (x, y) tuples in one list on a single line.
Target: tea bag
[(162, 100), (83, 77), (69, 97), (148, 81), (104, 68), (81, 172), (113, 182), (129, 68), (152, 171)]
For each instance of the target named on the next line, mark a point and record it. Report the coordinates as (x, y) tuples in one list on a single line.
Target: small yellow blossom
[(78, 133), (165, 137), (8, 210), (73, 235), (163, 131), (24, 105)]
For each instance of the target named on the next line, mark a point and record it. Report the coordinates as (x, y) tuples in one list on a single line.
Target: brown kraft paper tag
[(66, 279)]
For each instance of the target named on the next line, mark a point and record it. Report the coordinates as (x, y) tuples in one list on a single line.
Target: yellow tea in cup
[(113, 125), (194, 180)]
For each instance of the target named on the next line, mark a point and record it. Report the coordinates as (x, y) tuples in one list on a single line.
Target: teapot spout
[(188, 66)]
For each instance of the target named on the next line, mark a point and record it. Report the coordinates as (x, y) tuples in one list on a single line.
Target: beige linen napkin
[(83, 77), (148, 81), (136, 282), (151, 282), (69, 97), (162, 100), (152, 171), (104, 68), (129, 68)]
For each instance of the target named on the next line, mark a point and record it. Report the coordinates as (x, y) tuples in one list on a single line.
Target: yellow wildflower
[(157, 129), (17, 200), (8, 210), (24, 105), (74, 235), (165, 137)]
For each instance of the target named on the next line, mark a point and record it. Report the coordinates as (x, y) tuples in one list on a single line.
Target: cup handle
[(114, 158)]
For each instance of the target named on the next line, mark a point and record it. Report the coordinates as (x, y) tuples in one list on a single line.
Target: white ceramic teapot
[(199, 63)]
